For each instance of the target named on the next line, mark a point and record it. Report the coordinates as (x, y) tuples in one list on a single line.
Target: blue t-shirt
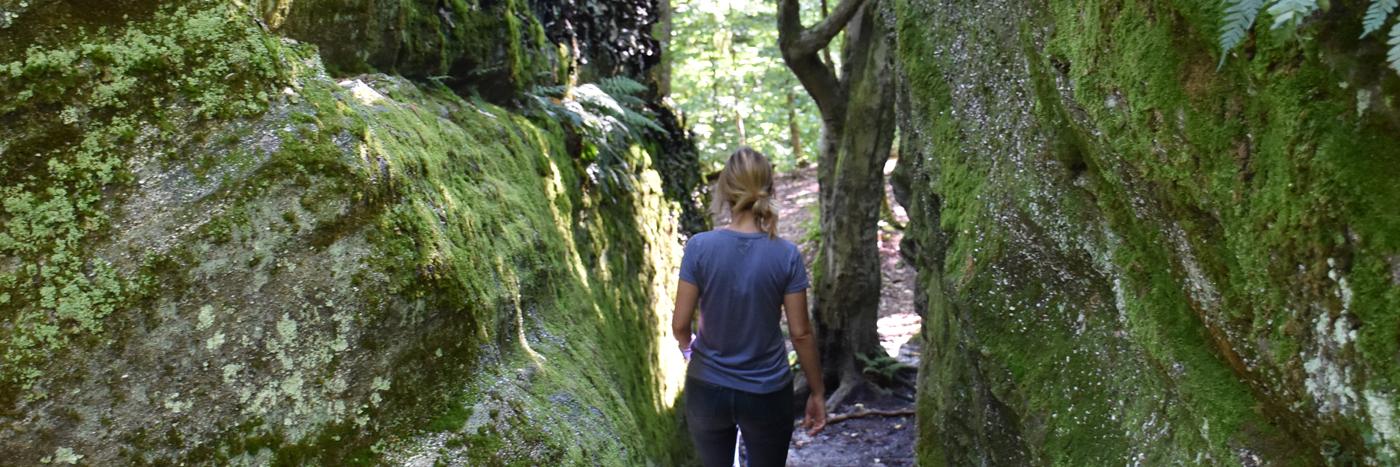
[(742, 279)]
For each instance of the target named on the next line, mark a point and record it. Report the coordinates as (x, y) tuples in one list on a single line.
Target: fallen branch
[(869, 413), (862, 413)]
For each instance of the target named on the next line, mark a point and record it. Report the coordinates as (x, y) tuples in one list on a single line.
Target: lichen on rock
[(1126, 248), (216, 251)]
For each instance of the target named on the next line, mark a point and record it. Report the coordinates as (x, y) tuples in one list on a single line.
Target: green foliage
[(1376, 15), (812, 225), (1240, 14), (1393, 55), (1290, 11), (1239, 17), (731, 85), (610, 116), (624, 89), (881, 367)]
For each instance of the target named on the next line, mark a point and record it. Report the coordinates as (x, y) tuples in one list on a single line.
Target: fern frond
[(629, 100), (639, 120), (1376, 14), (610, 116), (1393, 57), (621, 85), (555, 91), (594, 98), (624, 90), (1239, 17), (1288, 11)]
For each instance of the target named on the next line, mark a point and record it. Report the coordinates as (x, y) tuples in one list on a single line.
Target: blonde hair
[(746, 184)]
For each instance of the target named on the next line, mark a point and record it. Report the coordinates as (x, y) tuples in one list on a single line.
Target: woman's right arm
[(803, 339), (687, 296)]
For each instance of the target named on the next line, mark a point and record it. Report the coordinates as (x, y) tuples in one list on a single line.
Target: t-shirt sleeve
[(690, 262), (797, 277)]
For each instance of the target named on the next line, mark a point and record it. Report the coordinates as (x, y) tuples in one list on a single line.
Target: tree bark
[(662, 32), (826, 51), (794, 132), (857, 132)]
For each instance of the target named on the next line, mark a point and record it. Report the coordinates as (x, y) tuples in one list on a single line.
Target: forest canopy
[(731, 85)]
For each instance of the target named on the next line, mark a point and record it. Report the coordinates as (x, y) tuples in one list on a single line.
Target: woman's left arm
[(687, 296)]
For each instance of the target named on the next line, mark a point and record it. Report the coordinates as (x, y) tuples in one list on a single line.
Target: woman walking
[(744, 278)]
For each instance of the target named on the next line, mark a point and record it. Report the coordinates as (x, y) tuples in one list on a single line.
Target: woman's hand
[(815, 419), (684, 345)]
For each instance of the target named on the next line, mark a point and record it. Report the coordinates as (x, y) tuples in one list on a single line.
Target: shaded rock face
[(494, 48), (1131, 257), (212, 250), (612, 36)]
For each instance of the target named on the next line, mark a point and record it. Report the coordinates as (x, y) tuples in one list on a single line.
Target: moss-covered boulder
[(1133, 257), (211, 251)]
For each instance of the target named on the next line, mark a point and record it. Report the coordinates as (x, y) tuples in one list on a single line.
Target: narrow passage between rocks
[(869, 437)]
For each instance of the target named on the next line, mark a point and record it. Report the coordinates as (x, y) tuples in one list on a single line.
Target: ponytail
[(765, 214), (746, 184)]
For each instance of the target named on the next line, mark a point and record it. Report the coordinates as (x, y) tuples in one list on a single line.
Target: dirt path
[(869, 440)]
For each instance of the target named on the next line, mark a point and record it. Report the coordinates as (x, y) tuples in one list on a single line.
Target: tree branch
[(826, 51), (869, 413), (796, 45), (862, 413), (818, 36)]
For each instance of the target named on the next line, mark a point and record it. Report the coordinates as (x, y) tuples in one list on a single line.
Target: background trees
[(729, 81)]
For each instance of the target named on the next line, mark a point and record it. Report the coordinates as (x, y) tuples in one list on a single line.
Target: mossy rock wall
[(1133, 257), (213, 252), (496, 48)]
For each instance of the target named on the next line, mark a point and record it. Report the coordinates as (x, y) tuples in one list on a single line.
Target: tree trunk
[(858, 130), (662, 32), (794, 131), (848, 290)]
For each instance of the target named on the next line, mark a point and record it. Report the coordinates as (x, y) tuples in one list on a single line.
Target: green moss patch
[(1142, 253), (217, 254)]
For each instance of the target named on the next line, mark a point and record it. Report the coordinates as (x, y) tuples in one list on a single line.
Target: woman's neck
[(743, 221)]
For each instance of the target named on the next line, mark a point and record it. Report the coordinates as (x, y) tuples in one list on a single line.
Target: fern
[(882, 367), (559, 90), (625, 90), (610, 115), (1376, 15), (1393, 57), (1239, 17), (1288, 11), (622, 86)]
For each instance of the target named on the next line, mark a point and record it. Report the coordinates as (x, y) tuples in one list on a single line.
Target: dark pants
[(712, 413)]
